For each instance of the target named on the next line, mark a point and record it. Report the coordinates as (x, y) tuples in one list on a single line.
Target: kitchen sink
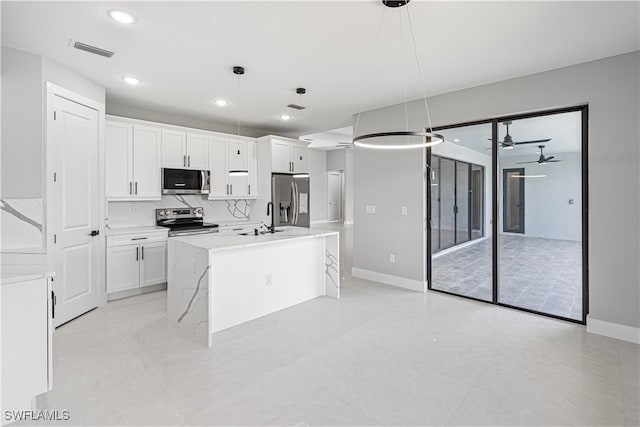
[(260, 233)]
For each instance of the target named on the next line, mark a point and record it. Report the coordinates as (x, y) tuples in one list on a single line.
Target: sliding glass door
[(457, 196), (507, 212)]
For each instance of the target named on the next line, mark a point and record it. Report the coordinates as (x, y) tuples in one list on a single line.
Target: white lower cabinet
[(136, 260), (27, 332)]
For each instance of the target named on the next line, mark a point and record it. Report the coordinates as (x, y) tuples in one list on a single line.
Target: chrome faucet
[(270, 211)]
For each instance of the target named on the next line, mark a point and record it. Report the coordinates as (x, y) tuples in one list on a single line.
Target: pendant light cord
[(404, 79), (366, 84), (415, 51), (238, 102)]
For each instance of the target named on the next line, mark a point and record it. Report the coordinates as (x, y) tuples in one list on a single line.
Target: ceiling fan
[(509, 143), (542, 159)]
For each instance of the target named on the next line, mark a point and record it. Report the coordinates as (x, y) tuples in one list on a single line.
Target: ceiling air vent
[(93, 49), (296, 107)]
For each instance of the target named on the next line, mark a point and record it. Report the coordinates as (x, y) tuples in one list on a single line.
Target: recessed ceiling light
[(122, 17), (456, 140), (133, 81), (221, 102), (285, 117)]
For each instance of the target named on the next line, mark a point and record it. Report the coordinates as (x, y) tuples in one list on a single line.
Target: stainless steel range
[(184, 221)]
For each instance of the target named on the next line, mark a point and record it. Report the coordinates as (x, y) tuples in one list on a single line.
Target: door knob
[(94, 233)]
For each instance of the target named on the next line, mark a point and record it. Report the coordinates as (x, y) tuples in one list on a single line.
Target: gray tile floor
[(538, 274), (377, 356)]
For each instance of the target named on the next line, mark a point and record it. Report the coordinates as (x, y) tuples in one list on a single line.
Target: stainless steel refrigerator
[(290, 196)]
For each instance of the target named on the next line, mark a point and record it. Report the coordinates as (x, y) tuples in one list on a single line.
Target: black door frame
[(584, 110), (520, 229)]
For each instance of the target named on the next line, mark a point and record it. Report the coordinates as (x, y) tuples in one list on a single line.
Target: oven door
[(185, 181)]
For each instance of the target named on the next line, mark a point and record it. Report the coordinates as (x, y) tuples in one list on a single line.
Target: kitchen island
[(216, 281)]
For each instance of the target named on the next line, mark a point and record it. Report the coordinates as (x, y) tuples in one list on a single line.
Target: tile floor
[(378, 356), (539, 274)]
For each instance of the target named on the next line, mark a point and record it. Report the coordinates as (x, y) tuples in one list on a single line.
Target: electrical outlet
[(392, 258), (134, 209), (371, 209), (404, 210), (268, 279)]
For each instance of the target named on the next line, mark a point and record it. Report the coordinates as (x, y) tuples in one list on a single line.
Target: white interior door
[(334, 196), (76, 208)]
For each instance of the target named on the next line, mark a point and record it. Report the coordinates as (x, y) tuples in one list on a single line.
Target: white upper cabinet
[(288, 156), (119, 160), (280, 156), (174, 149), (299, 158), (146, 155), (197, 150), (218, 167), (132, 161), (181, 149), (252, 167), (230, 153)]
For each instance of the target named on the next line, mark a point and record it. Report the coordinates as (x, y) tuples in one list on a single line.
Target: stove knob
[(199, 211)]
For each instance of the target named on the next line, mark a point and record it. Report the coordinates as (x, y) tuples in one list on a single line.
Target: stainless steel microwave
[(185, 181)]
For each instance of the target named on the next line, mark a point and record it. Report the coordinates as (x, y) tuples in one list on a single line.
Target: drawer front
[(129, 239)]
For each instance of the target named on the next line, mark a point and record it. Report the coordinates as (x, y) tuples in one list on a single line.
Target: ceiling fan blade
[(523, 163), (537, 141), (550, 157), (553, 161)]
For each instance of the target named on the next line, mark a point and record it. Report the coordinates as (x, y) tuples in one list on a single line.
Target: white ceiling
[(563, 129), (184, 51)]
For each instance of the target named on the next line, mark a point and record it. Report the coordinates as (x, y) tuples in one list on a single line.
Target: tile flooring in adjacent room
[(378, 356), (538, 274)]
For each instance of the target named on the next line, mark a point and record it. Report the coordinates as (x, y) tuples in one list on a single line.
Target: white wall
[(122, 110), (610, 87), (318, 183), (24, 78), (547, 212)]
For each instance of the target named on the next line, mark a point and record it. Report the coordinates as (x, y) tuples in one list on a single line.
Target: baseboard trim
[(322, 221), (137, 291), (613, 330), (388, 279)]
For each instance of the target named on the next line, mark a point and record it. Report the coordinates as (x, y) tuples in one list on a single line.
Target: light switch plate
[(404, 210), (371, 209)]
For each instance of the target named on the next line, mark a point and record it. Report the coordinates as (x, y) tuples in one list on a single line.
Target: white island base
[(218, 281)]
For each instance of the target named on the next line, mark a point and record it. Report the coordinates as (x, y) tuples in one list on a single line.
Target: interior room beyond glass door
[(540, 240), (461, 250)]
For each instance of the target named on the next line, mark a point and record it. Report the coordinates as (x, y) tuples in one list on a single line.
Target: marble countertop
[(20, 267), (116, 231), (223, 242)]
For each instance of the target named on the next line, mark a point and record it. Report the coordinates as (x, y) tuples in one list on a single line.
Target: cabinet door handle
[(184, 160), (130, 187), (139, 238), (53, 305), (136, 188), (137, 253), (189, 161), (230, 188), (249, 191), (142, 252)]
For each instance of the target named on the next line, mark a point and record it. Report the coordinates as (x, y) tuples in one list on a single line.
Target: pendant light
[(394, 140), (300, 91), (238, 71)]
